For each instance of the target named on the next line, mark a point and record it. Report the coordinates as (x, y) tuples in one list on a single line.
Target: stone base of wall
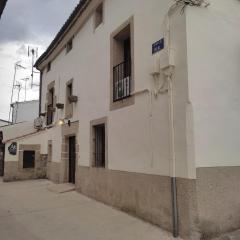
[(53, 172), (13, 171), (207, 206), (218, 198), (142, 195)]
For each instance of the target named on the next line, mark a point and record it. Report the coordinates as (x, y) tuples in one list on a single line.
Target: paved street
[(29, 211)]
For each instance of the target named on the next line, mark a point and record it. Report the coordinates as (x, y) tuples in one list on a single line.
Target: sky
[(26, 24)]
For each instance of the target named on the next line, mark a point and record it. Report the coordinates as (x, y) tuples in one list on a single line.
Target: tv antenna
[(18, 85), (17, 66), (33, 53), (25, 88)]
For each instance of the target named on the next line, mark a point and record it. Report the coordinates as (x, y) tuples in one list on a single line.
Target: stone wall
[(142, 195), (13, 170), (218, 198)]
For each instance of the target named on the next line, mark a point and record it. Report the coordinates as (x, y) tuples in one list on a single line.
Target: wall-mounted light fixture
[(61, 122)]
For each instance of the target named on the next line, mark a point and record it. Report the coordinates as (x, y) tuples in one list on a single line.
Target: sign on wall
[(12, 149), (158, 46)]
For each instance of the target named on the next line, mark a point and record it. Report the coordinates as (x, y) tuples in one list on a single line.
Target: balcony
[(122, 81)]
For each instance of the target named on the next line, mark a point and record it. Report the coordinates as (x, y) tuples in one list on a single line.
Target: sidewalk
[(29, 211)]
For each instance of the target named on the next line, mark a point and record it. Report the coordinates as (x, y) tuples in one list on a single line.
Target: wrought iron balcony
[(122, 81)]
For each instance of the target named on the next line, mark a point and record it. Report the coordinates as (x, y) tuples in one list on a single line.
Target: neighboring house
[(2, 6), (3, 122), (141, 109), (25, 111)]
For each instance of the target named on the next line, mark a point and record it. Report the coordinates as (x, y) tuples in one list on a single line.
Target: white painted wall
[(213, 38), (17, 130), (25, 111), (138, 136), (37, 138)]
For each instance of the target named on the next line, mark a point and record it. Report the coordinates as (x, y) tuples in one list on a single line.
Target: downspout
[(173, 158), (40, 94), (168, 72)]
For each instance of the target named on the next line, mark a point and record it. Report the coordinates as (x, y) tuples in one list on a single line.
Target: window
[(122, 65), (99, 145), (69, 90), (28, 159), (49, 67), (99, 15), (69, 46), (69, 104), (50, 108)]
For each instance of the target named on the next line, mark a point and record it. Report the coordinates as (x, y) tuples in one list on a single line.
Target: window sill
[(121, 103)]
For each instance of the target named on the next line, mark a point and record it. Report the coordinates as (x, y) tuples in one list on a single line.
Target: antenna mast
[(17, 65), (33, 52)]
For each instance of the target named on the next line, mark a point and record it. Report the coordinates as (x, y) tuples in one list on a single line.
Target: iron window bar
[(122, 81)]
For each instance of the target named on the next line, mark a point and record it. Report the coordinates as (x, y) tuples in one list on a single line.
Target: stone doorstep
[(61, 188), (230, 236)]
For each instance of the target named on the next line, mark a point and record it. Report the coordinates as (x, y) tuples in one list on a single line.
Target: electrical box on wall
[(166, 58), (162, 57), (155, 64)]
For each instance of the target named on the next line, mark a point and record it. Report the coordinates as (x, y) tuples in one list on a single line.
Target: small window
[(99, 15), (69, 90), (50, 107), (49, 67), (28, 159), (69, 46), (69, 105), (99, 146)]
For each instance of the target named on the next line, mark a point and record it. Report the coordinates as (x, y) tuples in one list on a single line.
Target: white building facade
[(25, 111), (140, 107)]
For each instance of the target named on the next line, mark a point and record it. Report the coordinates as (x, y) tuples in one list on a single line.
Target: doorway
[(72, 159)]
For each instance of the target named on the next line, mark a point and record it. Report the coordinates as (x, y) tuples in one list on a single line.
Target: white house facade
[(24, 111), (140, 108)]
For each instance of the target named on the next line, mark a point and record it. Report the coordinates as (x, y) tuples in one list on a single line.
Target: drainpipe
[(173, 155), (168, 72), (40, 95)]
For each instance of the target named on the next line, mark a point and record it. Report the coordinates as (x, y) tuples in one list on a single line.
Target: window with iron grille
[(28, 159), (122, 71), (99, 146)]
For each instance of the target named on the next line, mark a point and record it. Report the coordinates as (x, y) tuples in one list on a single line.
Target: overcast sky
[(26, 23)]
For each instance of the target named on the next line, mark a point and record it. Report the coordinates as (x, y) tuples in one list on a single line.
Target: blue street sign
[(158, 46)]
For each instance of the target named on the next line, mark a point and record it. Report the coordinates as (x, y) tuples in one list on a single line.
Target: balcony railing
[(122, 81)]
